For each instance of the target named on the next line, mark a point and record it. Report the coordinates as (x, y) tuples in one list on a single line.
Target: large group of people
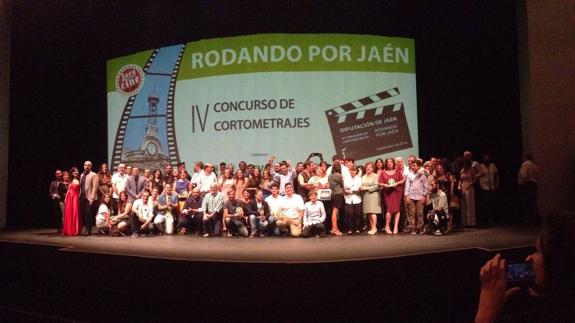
[(310, 198)]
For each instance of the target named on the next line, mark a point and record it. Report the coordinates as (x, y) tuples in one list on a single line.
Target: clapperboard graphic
[(368, 127)]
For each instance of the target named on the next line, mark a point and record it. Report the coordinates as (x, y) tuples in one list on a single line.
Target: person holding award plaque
[(168, 210), (234, 217), (391, 180), (371, 198)]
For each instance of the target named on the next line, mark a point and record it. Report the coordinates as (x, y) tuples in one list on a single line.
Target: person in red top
[(391, 181), (72, 219)]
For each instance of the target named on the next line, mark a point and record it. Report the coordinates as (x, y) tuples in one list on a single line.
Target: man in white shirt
[(198, 170), (284, 176), (206, 179), (527, 180), (291, 212), (352, 198), (212, 204), (119, 180), (275, 202), (487, 193), (142, 215)]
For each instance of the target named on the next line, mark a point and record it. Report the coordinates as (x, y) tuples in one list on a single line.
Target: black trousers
[(354, 215), (213, 225), (88, 213), (528, 202), (135, 224), (328, 208), (486, 206), (192, 222), (57, 214), (314, 229)]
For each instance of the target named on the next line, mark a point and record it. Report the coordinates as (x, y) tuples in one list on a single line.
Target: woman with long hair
[(265, 184), (240, 182), (335, 180), (122, 219), (104, 180), (226, 183), (467, 180), (254, 182), (62, 190), (72, 219), (379, 166), (157, 180), (103, 222)]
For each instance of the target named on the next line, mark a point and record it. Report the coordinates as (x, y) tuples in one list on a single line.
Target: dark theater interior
[(493, 77)]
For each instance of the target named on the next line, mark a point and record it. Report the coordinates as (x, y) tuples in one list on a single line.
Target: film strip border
[(173, 152), (121, 132), (343, 110)]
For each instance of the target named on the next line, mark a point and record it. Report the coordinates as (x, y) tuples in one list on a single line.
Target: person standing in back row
[(89, 187)]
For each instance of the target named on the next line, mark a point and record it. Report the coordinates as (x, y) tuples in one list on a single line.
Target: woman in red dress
[(391, 181), (72, 217)]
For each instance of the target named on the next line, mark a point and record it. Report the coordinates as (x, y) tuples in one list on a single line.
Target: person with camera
[(554, 282)]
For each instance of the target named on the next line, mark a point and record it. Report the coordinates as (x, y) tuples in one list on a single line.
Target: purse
[(324, 194), (454, 203)]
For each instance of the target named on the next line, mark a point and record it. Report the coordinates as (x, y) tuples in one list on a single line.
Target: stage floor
[(281, 250)]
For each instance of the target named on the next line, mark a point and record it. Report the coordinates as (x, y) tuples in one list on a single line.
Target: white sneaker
[(135, 235), (437, 233)]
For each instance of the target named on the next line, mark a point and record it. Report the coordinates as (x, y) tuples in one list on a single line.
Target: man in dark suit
[(88, 197), (135, 185), (259, 215)]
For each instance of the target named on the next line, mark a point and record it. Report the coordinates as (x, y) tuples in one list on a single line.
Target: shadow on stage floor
[(174, 278)]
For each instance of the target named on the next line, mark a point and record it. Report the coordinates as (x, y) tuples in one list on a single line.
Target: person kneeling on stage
[(234, 216), (259, 215), (438, 216), (142, 216), (192, 214), (122, 219), (168, 210), (103, 222), (212, 205), (291, 212), (313, 217)]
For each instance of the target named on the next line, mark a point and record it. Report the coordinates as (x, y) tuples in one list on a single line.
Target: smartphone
[(520, 274)]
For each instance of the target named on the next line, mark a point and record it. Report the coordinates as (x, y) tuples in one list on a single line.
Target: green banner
[(297, 52)]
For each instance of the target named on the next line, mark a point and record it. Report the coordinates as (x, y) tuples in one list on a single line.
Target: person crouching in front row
[(168, 209), (438, 216), (261, 221), (291, 212), (212, 205), (313, 217), (192, 214), (234, 216), (142, 215)]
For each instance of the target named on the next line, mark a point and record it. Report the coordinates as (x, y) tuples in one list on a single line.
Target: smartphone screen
[(520, 273)]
